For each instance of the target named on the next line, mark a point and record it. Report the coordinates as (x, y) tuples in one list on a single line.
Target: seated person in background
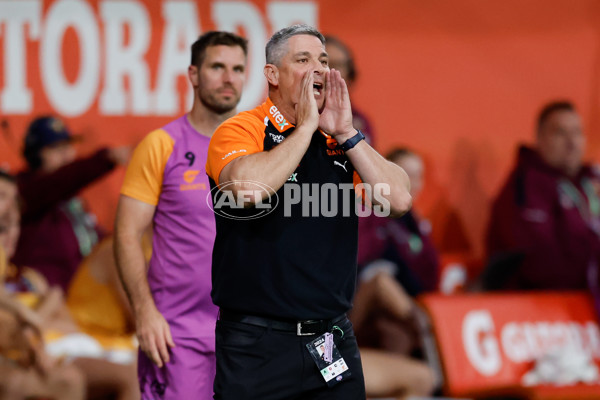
[(57, 232), (26, 371), (544, 226), (96, 299), (397, 261), (8, 224), (8, 192), (400, 247), (389, 374), (26, 292), (404, 241)]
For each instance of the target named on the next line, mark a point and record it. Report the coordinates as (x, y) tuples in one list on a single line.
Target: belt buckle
[(299, 329)]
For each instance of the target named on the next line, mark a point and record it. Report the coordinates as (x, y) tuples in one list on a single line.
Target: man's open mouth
[(317, 88)]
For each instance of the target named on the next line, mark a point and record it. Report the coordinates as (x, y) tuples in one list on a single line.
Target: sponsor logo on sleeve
[(281, 122), (232, 153)]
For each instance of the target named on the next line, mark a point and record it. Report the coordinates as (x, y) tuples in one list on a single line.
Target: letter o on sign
[(480, 342), (70, 99)]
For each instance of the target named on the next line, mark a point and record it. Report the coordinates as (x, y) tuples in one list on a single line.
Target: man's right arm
[(154, 335), (271, 168), (274, 167)]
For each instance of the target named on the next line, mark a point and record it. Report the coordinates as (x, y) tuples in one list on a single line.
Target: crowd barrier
[(543, 345)]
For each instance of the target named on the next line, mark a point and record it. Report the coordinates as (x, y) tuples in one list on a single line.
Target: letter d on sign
[(480, 343)]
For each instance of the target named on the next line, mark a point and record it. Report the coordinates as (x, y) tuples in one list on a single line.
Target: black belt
[(300, 328)]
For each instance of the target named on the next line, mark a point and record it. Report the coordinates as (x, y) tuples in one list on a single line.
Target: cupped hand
[(307, 112), (336, 117)]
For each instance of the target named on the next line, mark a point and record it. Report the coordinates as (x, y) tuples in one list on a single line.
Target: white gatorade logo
[(524, 341), (480, 342)]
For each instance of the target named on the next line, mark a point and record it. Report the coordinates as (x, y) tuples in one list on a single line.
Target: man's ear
[(272, 74), (193, 75)]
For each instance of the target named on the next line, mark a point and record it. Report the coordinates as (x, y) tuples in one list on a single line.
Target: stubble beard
[(218, 106)]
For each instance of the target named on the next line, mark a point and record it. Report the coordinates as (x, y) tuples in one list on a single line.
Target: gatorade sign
[(491, 341)]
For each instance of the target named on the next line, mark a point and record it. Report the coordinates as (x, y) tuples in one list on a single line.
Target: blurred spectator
[(397, 260), (8, 192), (57, 232), (394, 376), (341, 59), (388, 374), (9, 231), (544, 226), (46, 319), (404, 241), (26, 371), (96, 299), (8, 197)]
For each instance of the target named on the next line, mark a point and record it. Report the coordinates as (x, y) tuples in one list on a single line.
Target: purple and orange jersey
[(167, 170)]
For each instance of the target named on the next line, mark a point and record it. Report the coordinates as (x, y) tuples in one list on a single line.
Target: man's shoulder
[(527, 179), (176, 127), (158, 137), (156, 145), (246, 120), (527, 185)]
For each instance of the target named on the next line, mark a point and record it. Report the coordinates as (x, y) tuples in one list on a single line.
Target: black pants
[(255, 363)]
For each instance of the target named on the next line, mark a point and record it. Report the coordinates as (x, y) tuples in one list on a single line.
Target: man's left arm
[(372, 168)]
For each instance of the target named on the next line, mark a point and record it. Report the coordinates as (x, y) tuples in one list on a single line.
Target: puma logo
[(341, 165)]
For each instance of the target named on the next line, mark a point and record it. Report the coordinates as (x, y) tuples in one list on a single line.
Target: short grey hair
[(276, 45)]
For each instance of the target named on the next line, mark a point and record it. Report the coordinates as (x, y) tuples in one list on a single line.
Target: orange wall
[(462, 82), (458, 81)]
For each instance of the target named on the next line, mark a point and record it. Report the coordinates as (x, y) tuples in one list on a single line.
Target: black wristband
[(353, 141)]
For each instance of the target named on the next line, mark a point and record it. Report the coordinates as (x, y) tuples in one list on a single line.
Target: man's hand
[(119, 155), (336, 118), (30, 319), (38, 358), (154, 335), (307, 112)]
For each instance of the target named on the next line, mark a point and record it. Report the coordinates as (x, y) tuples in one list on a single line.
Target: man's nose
[(574, 139), (319, 68), (228, 75)]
